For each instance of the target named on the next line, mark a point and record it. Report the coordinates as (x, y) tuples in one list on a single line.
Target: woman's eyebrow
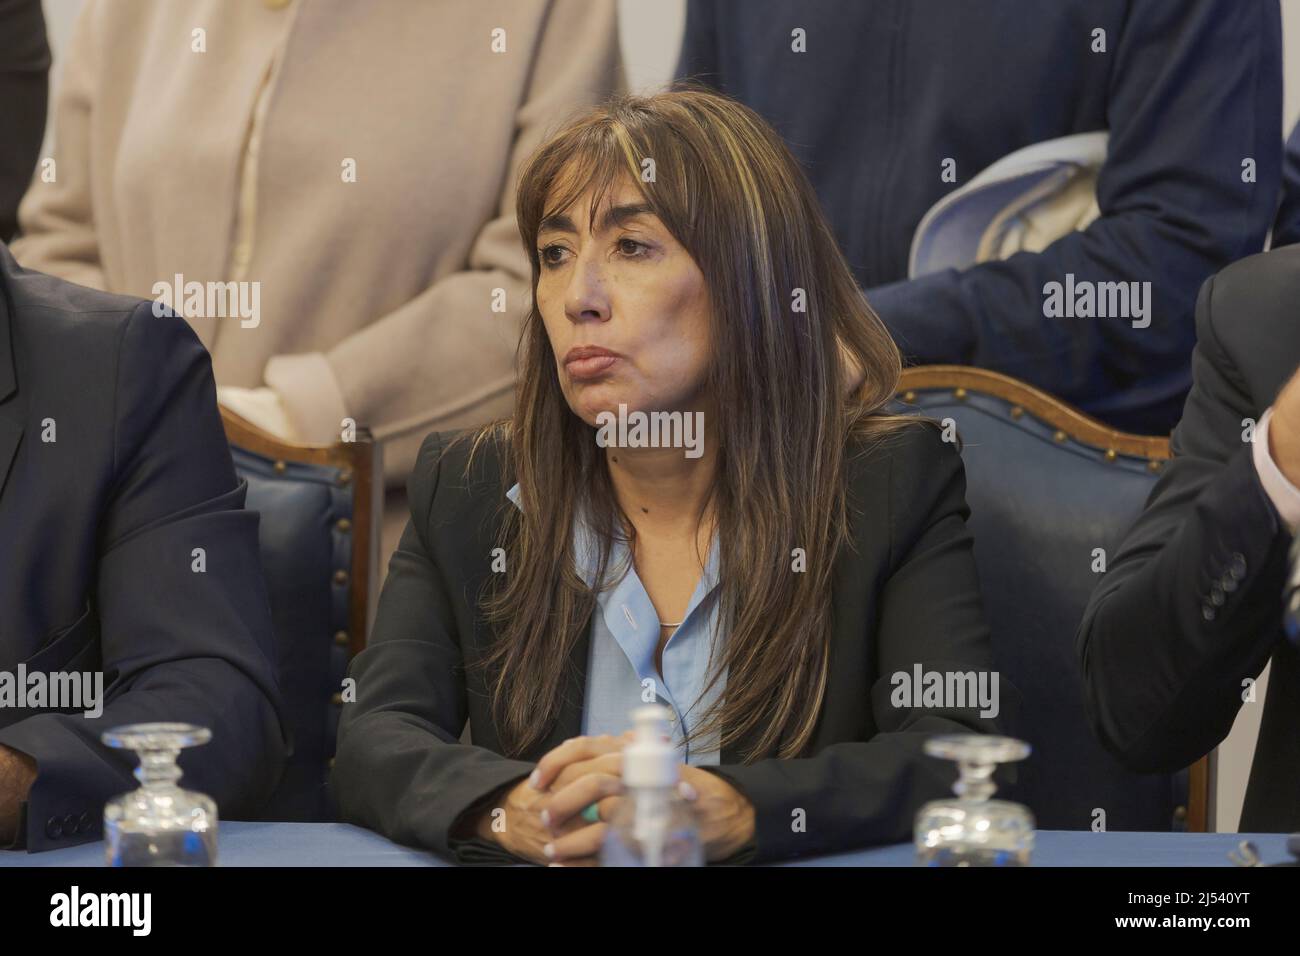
[(619, 215), (614, 216), (556, 223)]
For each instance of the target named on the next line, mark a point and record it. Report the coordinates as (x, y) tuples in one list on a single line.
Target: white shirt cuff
[(1284, 495)]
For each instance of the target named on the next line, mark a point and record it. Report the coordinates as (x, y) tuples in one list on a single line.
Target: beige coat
[(376, 296)]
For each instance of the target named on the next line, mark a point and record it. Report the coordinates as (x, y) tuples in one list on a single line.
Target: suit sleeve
[(184, 622), (399, 767), (454, 316), (1195, 91), (930, 614), (1191, 606)]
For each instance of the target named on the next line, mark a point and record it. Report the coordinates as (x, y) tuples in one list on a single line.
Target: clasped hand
[(542, 819)]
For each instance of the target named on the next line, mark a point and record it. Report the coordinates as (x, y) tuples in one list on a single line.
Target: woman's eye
[(551, 255), (631, 248)]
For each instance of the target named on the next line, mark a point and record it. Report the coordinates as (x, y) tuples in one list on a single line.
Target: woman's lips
[(590, 366)]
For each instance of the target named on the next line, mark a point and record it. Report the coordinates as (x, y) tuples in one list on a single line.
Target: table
[(343, 845)]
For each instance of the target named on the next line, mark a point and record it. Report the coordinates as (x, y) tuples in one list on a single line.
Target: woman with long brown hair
[(690, 506)]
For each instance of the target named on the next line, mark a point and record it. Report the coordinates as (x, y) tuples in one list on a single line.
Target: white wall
[(650, 34)]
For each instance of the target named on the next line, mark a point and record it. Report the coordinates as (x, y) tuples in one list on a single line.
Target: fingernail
[(546, 819), (687, 791), (549, 851), (533, 778), (555, 864)]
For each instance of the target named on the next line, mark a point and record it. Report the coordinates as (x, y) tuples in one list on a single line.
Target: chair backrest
[(319, 536), (1052, 494)]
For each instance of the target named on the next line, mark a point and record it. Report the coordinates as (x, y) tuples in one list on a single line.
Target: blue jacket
[(1190, 91)]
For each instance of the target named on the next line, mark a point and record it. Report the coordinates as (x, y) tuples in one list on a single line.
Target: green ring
[(591, 813)]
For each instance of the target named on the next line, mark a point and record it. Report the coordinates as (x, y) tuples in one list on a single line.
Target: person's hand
[(17, 773), (261, 407), (524, 830), (1284, 430), (579, 772), (512, 822), (587, 770), (724, 814)]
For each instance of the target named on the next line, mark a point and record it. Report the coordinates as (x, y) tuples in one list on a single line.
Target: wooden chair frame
[(359, 464)]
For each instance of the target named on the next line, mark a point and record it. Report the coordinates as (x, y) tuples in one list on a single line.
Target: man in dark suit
[(1191, 608), (124, 552)]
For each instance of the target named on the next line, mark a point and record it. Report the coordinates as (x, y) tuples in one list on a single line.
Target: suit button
[(1216, 594), (85, 822), (70, 824), (53, 828), (1207, 612), (1238, 567), (1229, 583)]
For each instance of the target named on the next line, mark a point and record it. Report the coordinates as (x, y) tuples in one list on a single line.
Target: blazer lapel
[(11, 432)]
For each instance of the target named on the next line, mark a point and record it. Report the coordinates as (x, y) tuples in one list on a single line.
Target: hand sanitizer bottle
[(653, 825)]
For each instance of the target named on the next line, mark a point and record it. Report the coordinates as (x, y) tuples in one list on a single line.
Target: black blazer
[(98, 528), (908, 596), (1163, 663)]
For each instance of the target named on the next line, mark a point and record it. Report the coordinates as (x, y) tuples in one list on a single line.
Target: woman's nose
[(586, 297)]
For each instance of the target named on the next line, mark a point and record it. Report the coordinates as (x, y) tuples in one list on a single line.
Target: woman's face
[(625, 307)]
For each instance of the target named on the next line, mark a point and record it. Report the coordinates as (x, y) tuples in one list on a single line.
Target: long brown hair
[(783, 304)]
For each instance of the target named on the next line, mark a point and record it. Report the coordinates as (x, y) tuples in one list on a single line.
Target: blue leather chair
[(319, 542), (1046, 486)]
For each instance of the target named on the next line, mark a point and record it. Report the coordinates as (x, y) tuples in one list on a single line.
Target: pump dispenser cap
[(650, 760)]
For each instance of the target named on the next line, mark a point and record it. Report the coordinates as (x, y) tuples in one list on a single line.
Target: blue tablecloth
[(339, 844)]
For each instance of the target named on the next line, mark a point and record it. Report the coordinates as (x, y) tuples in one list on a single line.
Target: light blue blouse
[(621, 673)]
